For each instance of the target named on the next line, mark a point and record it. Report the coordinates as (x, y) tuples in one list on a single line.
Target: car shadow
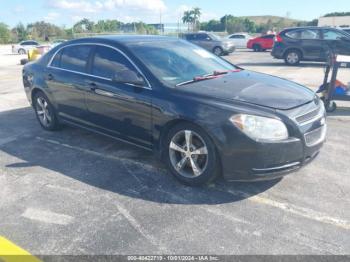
[(107, 164)]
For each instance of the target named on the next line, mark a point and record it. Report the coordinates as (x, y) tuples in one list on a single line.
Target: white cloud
[(123, 10), (51, 16), (86, 6)]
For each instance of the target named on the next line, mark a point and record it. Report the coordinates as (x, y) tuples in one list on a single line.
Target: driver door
[(118, 109)]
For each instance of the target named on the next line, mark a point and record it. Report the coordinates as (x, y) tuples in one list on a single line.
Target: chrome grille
[(316, 136), (308, 116)]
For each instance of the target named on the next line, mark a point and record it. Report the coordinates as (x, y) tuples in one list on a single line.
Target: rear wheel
[(257, 48), (331, 107), (218, 51), (45, 112), (21, 51), (292, 57), (191, 155)]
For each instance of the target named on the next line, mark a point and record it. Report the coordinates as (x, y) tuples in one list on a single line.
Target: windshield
[(174, 62), (214, 36)]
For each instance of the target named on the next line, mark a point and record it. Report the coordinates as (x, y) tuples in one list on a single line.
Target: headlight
[(260, 128)]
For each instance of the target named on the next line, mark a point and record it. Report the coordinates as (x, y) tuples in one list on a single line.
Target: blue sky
[(67, 12)]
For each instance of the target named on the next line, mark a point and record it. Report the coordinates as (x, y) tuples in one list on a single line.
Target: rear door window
[(310, 34), (75, 58), (293, 34), (108, 63)]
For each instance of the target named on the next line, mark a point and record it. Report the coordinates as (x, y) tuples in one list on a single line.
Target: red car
[(261, 43)]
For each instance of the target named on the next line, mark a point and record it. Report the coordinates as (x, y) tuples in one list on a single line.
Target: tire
[(218, 51), (22, 51), (292, 57), (45, 112), (257, 48), (191, 155), (24, 61), (331, 107)]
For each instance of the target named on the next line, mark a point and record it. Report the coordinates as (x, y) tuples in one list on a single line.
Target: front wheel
[(45, 112), (191, 155)]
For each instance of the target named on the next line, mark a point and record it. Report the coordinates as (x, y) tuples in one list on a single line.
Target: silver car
[(211, 42), (24, 46)]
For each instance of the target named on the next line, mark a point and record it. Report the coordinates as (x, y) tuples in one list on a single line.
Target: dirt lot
[(74, 192)]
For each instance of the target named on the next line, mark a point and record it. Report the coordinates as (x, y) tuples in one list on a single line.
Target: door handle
[(104, 93), (92, 85)]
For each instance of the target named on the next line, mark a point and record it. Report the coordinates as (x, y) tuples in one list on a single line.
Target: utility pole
[(160, 21), (225, 23)]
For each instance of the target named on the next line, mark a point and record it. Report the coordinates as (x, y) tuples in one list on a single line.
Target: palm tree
[(191, 18), (187, 19), (196, 14)]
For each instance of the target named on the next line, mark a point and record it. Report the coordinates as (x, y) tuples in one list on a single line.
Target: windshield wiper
[(213, 75)]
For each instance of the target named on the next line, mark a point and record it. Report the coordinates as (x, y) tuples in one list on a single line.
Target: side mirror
[(129, 77)]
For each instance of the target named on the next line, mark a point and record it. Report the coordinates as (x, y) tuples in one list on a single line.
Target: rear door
[(311, 44), (204, 41), (239, 40), (66, 78), (120, 109)]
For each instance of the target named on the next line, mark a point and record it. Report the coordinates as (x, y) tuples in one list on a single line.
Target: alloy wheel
[(43, 112), (188, 154)]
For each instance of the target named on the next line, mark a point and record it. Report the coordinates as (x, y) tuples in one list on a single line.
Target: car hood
[(255, 88)]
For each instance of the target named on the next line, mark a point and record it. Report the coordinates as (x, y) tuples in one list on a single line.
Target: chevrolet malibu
[(199, 113)]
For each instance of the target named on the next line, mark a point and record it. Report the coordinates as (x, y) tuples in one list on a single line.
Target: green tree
[(191, 18), (5, 35), (187, 18), (20, 32), (84, 25)]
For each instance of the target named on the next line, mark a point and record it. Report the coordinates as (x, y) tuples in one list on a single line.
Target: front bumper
[(244, 159)]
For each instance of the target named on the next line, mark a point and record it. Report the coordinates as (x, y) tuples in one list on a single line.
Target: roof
[(126, 39)]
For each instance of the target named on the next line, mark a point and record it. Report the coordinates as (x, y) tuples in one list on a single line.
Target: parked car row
[(24, 47), (309, 44)]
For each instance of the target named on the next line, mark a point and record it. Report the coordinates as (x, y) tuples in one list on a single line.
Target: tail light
[(278, 39)]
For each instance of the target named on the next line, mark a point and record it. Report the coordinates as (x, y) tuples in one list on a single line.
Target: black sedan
[(201, 114)]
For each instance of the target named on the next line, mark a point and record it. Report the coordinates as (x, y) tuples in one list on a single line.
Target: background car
[(262, 43), (24, 46), (57, 42), (240, 39), (211, 42), (309, 44)]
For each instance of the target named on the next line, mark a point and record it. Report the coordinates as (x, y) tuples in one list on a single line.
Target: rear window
[(75, 58), (237, 36), (108, 63), (190, 37)]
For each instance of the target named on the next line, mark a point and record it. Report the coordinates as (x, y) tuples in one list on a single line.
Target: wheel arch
[(293, 49), (171, 124)]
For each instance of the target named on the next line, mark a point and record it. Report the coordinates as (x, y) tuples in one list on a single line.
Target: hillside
[(274, 19)]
